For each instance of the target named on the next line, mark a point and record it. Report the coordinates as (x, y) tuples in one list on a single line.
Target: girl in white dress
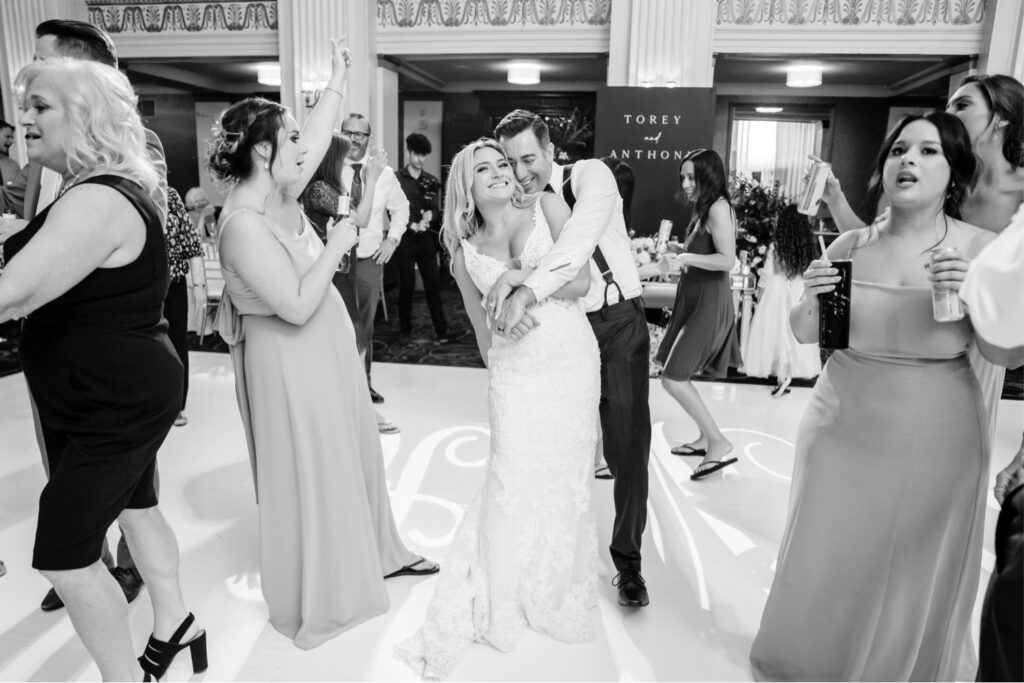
[(771, 348)]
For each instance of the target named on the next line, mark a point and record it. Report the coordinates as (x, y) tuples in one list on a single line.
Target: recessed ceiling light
[(646, 84), (521, 73), (671, 84), (767, 110), (803, 75)]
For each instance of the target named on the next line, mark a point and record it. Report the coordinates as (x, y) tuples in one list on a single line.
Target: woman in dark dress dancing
[(701, 337), (90, 274)]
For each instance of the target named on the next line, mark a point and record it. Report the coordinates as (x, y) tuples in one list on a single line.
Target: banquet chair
[(214, 287)]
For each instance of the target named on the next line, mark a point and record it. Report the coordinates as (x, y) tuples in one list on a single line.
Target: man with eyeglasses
[(377, 243)]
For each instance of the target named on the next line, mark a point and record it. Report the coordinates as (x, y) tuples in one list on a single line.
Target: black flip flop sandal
[(410, 569), (710, 467)]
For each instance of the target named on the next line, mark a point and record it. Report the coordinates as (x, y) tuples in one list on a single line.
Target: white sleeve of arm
[(994, 288), (597, 197), (397, 204)]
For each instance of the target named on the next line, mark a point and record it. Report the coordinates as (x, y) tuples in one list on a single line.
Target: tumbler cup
[(834, 309)]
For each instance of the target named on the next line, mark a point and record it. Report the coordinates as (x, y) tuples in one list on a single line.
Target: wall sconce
[(311, 92), (803, 76), (520, 73)]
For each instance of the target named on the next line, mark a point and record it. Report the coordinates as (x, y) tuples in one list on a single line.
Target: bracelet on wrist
[(199, 284), (334, 91)]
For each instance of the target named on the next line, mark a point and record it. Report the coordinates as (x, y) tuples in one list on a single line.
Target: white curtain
[(754, 149), (793, 142), (776, 150)]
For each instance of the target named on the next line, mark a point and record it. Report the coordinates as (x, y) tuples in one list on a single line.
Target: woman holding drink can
[(991, 107), (881, 557)]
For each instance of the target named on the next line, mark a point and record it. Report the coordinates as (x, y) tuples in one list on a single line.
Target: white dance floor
[(709, 551)]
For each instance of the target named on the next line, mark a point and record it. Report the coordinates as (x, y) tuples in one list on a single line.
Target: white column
[(305, 28), (662, 43), (385, 116), (18, 21), (1002, 44)]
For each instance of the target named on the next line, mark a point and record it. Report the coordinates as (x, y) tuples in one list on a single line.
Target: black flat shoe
[(159, 654), (375, 397), (632, 589)]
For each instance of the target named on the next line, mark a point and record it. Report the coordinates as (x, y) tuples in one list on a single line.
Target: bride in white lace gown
[(525, 553)]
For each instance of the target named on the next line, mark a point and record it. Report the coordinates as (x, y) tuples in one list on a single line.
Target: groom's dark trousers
[(624, 341)]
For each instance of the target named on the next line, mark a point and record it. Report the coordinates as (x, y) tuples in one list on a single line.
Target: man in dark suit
[(35, 188), (419, 243)]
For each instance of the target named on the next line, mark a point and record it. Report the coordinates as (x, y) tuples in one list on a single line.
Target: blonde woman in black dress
[(701, 337)]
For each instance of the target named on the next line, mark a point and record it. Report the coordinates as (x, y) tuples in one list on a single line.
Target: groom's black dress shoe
[(632, 589), (375, 397)]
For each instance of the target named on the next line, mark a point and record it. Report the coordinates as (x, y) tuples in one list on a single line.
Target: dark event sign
[(651, 129)]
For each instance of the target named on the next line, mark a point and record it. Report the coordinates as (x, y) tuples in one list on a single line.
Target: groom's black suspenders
[(606, 272)]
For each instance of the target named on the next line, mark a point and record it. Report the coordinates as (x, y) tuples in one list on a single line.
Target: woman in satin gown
[(525, 553), (327, 535), (991, 107), (880, 560)]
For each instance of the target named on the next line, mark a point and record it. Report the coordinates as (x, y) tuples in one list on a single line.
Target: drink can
[(815, 188), (946, 304), (664, 230)]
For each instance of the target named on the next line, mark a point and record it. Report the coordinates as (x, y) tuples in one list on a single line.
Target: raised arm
[(249, 248), (842, 213), (473, 300), (317, 131)]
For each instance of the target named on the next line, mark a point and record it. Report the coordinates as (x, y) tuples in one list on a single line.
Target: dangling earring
[(266, 165)]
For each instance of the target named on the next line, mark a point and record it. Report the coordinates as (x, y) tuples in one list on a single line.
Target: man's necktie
[(357, 185)]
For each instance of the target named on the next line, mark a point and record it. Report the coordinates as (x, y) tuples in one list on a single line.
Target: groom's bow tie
[(548, 188)]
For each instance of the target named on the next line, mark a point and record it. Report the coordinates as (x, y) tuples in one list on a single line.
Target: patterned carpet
[(423, 347)]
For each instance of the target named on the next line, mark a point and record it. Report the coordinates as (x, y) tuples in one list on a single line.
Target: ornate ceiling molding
[(160, 16), (864, 13), (465, 13)]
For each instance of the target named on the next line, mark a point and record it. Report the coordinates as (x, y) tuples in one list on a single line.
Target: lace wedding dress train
[(525, 553)]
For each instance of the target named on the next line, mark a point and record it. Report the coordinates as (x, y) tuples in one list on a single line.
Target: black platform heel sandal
[(159, 654)]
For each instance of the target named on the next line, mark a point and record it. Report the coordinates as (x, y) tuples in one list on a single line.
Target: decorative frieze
[(160, 16), (851, 12), (468, 13)]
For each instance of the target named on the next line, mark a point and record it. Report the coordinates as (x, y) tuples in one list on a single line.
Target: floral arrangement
[(757, 207), (645, 250)]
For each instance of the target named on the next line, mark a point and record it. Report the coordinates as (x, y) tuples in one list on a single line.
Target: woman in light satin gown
[(327, 535), (880, 560)]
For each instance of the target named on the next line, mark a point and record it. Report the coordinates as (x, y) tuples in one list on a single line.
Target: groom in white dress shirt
[(596, 232)]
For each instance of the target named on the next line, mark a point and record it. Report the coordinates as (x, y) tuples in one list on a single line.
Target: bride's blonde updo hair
[(462, 220), (103, 130)]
